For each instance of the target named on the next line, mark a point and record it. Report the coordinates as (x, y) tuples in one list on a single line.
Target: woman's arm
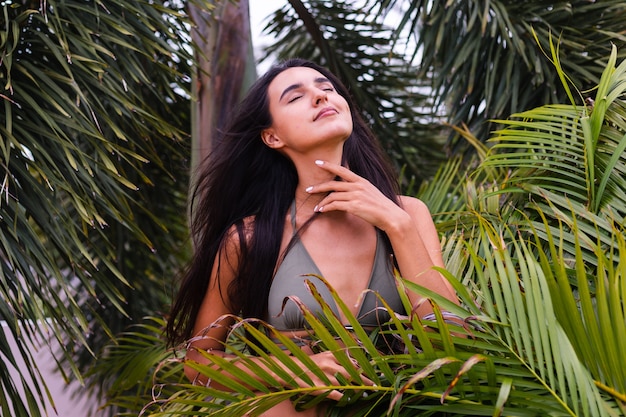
[(417, 249), (213, 321)]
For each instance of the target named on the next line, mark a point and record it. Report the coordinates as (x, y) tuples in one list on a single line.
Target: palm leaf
[(497, 364), (561, 149), (122, 367), (555, 166), (93, 92), (532, 330), (596, 308), (486, 58)]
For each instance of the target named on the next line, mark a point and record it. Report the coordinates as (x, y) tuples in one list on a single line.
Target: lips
[(326, 111)]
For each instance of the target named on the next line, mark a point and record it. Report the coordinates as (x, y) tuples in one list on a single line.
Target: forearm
[(416, 258), (273, 372), (253, 367)]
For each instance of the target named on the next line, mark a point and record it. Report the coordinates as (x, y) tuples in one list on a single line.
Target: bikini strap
[(293, 218)]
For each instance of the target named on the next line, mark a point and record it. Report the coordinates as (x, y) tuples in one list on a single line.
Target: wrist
[(399, 225)]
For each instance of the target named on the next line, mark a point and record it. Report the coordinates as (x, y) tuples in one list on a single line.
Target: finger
[(366, 381), (337, 169), (336, 205), (363, 379), (329, 186), (334, 395)]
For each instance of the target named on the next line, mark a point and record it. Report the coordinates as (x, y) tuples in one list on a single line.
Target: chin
[(343, 132), (341, 137)]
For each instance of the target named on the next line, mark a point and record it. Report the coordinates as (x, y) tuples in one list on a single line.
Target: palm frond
[(523, 305), (516, 357), (556, 163), (487, 58), (123, 370), (93, 98), (581, 154), (595, 309)]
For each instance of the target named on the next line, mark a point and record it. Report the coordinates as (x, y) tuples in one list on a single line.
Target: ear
[(271, 140)]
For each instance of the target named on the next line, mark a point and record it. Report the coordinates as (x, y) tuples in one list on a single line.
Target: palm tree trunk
[(226, 68)]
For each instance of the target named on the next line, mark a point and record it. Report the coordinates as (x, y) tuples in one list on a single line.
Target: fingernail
[(308, 189), (319, 162), (315, 209)]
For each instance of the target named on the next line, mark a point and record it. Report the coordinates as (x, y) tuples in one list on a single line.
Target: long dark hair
[(244, 179)]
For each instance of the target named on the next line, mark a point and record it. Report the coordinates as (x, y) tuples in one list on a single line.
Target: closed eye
[(293, 99)]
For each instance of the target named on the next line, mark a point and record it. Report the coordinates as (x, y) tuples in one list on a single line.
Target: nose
[(320, 96)]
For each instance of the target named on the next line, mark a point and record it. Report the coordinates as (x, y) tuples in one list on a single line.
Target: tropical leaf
[(595, 308), (486, 57), (516, 359), (561, 149), (93, 119), (548, 167), (123, 370)]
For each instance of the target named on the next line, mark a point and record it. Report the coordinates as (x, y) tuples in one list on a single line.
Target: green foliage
[(533, 233), (125, 368), (485, 58), (93, 133)]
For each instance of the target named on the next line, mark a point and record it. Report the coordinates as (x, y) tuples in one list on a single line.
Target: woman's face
[(307, 112)]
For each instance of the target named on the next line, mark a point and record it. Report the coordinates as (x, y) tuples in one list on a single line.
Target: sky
[(259, 11)]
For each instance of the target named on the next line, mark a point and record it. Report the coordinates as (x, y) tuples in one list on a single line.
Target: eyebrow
[(318, 80)]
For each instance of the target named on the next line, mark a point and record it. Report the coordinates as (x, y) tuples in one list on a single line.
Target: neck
[(306, 202), (311, 174)]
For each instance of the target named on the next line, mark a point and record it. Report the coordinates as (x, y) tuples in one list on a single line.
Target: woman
[(297, 184)]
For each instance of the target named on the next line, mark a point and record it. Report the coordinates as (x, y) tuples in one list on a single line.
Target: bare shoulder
[(234, 240), (217, 302), (419, 212), (233, 237), (414, 206), (423, 219)]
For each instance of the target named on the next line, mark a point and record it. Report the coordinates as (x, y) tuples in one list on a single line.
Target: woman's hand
[(357, 196), (332, 368)]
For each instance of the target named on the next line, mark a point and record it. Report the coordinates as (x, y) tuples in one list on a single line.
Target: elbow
[(193, 361), (193, 358), (192, 374), (198, 378)]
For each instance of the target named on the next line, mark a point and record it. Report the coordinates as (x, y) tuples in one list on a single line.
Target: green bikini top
[(297, 264)]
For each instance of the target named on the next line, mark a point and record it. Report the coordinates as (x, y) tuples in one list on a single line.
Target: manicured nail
[(319, 162), (315, 209), (308, 189)]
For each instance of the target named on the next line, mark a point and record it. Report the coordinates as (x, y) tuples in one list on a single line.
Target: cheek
[(348, 117), (289, 124)]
